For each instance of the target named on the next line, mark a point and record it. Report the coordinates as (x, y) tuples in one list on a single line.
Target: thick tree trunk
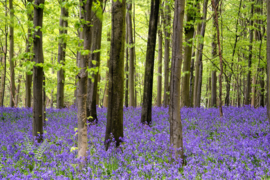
[(248, 88), (11, 54), (189, 32), (38, 72), (159, 79), (146, 116), (28, 76), (95, 56), (268, 60), (131, 57), (127, 66), (61, 55), (167, 38), (176, 134), (114, 126), (82, 79)]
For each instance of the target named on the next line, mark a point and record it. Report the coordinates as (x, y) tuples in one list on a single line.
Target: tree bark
[(106, 91), (61, 55), (268, 59), (17, 99), (85, 7), (11, 54), (176, 134), (95, 56), (191, 81), (114, 126), (127, 66), (146, 116), (38, 71), (159, 79), (189, 32), (167, 38)]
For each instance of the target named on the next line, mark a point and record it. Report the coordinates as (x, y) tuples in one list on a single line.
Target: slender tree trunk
[(131, 57), (98, 87), (17, 99), (11, 54), (146, 116), (28, 76), (127, 66), (3, 62), (189, 32), (38, 72), (176, 134), (248, 88), (114, 126), (215, 7), (44, 102), (85, 7), (268, 60), (191, 81), (253, 100), (61, 55), (167, 37), (95, 56), (106, 92), (209, 91), (159, 80)]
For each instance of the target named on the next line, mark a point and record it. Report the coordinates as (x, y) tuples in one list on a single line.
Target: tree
[(94, 64), (38, 71), (146, 116), (11, 54), (159, 86), (114, 126), (61, 54), (85, 8), (268, 60), (176, 134)]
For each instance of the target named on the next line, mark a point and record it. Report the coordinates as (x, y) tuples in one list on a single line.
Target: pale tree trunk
[(176, 134), (3, 62), (136, 74), (95, 56), (159, 79), (61, 55), (98, 88), (209, 91), (268, 60), (131, 76), (17, 99), (106, 91), (189, 32), (215, 7), (53, 87), (248, 88), (11, 54), (114, 126), (85, 8), (28, 76), (167, 37), (38, 72), (146, 116)]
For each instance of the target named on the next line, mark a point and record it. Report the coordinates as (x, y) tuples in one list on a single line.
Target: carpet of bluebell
[(236, 146)]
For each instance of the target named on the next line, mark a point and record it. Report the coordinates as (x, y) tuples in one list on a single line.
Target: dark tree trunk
[(82, 79), (127, 66), (95, 56), (38, 72), (268, 60), (146, 116), (28, 76), (189, 32), (44, 102), (228, 89), (61, 56), (159, 79), (11, 54), (191, 81), (17, 99), (114, 125), (167, 37), (176, 134), (131, 57)]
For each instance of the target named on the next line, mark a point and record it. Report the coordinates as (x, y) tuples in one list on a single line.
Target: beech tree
[(268, 59), (11, 55)]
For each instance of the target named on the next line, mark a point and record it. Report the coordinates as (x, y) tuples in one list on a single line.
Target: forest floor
[(236, 146)]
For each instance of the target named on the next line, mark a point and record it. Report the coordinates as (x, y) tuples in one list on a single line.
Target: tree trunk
[(106, 91), (228, 89), (146, 116), (95, 56), (253, 100), (159, 79), (44, 101), (248, 88), (28, 76), (17, 99), (38, 72), (189, 32), (61, 55), (215, 7), (114, 126), (85, 8), (127, 66), (191, 81), (131, 57), (11, 54), (268, 60), (176, 134), (167, 38)]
